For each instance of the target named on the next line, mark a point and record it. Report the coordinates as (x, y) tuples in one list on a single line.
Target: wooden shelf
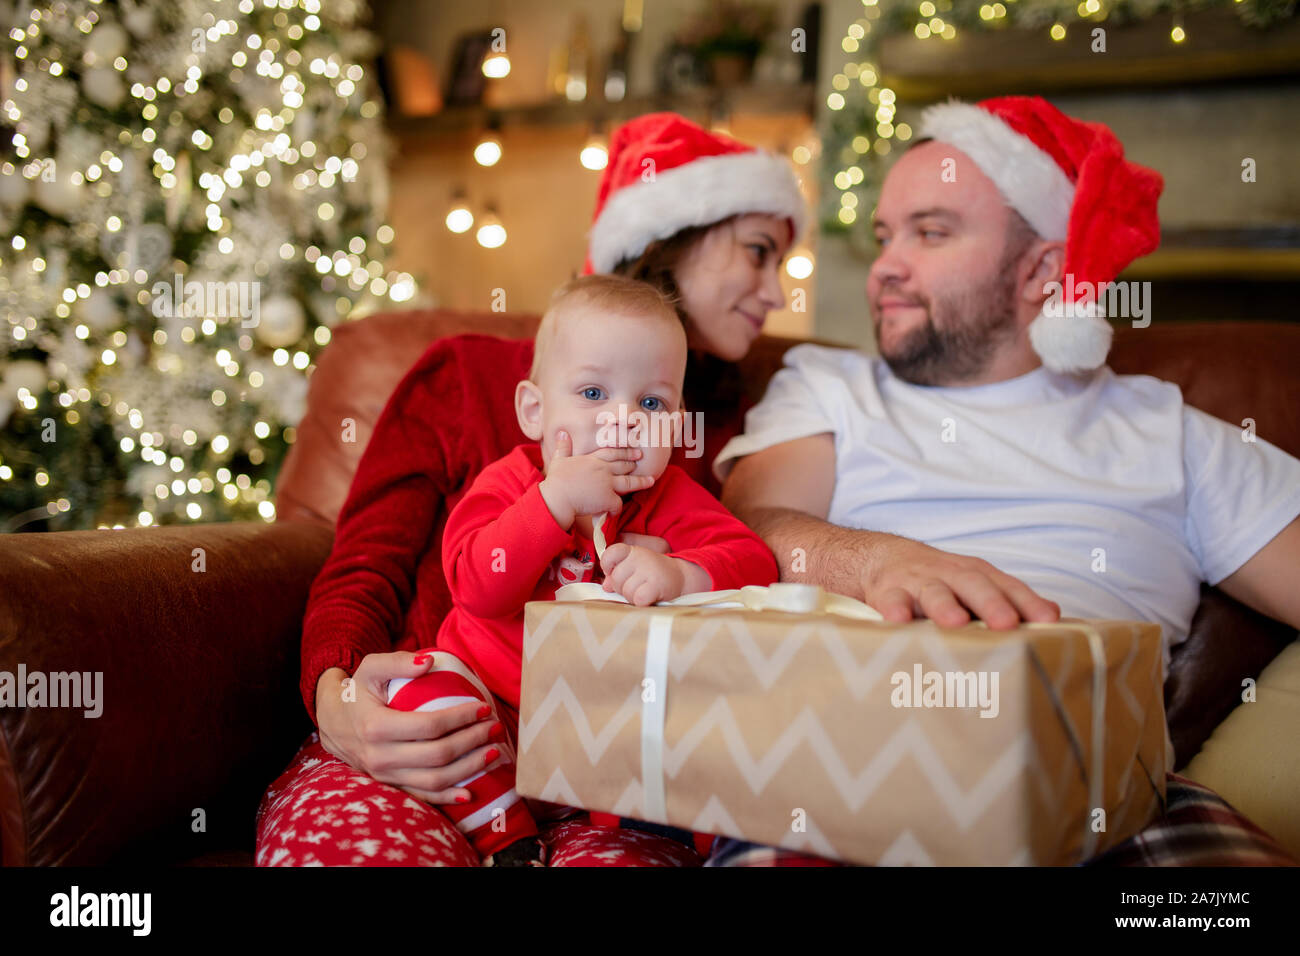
[(1272, 264), (1265, 252), (742, 99), (980, 63)]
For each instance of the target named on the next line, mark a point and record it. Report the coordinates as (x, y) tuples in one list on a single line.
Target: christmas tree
[(192, 194)]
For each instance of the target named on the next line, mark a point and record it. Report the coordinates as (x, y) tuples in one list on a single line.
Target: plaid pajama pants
[(1198, 828)]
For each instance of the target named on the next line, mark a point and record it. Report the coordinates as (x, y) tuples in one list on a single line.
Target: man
[(988, 458)]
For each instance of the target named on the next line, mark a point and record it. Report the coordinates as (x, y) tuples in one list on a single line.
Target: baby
[(609, 351)]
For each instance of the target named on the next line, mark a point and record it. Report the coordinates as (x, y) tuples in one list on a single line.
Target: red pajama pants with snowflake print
[(322, 812)]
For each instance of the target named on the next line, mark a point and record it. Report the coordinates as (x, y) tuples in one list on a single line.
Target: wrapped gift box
[(851, 739)]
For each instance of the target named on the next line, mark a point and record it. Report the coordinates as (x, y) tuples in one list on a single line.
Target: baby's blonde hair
[(617, 295)]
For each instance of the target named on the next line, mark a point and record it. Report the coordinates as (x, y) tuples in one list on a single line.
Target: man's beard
[(972, 325)]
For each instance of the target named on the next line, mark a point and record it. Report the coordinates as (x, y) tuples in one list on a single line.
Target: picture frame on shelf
[(467, 82)]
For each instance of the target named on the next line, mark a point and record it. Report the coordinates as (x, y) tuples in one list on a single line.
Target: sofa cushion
[(1226, 643), (1252, 760), (1232, 370)]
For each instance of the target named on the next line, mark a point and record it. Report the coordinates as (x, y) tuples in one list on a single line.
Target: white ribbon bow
[(795, 598)]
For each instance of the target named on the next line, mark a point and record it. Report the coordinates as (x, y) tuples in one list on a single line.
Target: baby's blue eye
[(651, 404), (592, 393)]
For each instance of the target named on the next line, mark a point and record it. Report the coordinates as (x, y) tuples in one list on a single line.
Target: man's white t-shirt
[(1102, 492)]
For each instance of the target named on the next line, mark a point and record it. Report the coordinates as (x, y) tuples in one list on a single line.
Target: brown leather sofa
[(201, 708)]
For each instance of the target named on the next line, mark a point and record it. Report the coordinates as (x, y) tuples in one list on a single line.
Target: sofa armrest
[(191, 636)]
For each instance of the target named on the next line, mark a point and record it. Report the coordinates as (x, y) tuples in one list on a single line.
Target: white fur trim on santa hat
[(1070, 336), (699, 193), (1029, 179)]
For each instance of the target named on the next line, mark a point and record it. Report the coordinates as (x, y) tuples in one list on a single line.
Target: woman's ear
[(528, 409)]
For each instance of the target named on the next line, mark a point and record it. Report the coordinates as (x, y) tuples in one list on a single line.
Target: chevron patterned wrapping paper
[(824, 734)]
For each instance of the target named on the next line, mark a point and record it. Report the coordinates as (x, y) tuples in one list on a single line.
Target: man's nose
[(890, 266)]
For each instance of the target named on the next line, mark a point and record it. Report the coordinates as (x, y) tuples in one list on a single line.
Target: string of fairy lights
[(488, 149), (278, 149)]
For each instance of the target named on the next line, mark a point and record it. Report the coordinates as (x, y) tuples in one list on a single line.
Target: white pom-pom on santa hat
[(1069, 180), (1071, 336), (666, 174)]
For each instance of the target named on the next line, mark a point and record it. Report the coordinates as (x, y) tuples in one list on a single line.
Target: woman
[(706, 219)]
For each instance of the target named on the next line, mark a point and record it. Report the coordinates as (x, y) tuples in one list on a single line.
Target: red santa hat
[(1070, 181), (665, 173)]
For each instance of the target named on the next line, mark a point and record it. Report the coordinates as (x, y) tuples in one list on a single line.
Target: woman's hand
[(645, 577), (425, 754)]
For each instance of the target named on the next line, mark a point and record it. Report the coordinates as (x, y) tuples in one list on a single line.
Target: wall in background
[(1197, 138)]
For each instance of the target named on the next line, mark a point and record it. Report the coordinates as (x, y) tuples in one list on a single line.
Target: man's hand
[(909, 579), (644, 576), (589, 484)]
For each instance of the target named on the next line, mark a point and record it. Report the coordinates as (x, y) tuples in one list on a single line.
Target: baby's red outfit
[(502, 548)]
